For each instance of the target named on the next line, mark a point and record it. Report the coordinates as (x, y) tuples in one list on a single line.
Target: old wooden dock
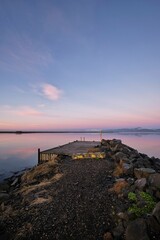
[(76, 150)]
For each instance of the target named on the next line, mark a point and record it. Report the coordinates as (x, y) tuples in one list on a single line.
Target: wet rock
[(143, 172), (141, 183), (154, 180), (137, 229), (107, 236), (156, 212)]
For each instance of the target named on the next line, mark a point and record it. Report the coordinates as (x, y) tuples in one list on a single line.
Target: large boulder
[(141, 183), (143, 172), (120, 156), (137, 230), (154, 180), (156, 213)]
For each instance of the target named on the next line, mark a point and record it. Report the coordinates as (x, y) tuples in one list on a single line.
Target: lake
[(19, 151)]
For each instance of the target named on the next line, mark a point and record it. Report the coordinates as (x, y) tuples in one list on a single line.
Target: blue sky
[(68, 64)]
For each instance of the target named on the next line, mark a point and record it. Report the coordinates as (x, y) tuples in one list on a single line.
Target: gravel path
[(80, 206)]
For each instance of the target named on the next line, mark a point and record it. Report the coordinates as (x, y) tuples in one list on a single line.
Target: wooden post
[(101, 135), (38, 155)]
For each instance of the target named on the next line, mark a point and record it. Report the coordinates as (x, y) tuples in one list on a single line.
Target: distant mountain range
[(133, 130)]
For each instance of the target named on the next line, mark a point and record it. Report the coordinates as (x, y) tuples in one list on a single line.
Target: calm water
[(20, 151)]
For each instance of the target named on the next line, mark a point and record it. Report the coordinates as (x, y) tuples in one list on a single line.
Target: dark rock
[(140, 183), (105, 143), (127, 168), (123, 216), (156, 212), (115, 142), (143, 172), (3, 196), (130, 180), (4, 186), (107, 236), (146, 162), (154, 180), (139, 163), (116, 148), (134, 154), (157, 194), (137, 229), (119, 156), (3, 234), (118, 231), (153, 224), (125, 150)]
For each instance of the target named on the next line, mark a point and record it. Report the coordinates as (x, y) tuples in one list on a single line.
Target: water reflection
[(20, 151)]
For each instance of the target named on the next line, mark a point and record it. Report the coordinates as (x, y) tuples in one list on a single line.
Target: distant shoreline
[(127, 131)]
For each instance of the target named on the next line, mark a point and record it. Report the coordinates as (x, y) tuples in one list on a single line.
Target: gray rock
[(105, 143), (140, 183), (143, 172), (119, 156), (137, 230), (125, 150), (154, 180), (123, 216), (139, 163), (134, 154), (156, 212), (127, 168), (116, 148), (14, 182), (114, 142)]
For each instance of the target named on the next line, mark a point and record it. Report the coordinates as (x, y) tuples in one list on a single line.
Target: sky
[(79, 64)]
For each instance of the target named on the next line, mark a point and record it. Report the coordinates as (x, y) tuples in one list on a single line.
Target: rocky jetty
[(117, 197)]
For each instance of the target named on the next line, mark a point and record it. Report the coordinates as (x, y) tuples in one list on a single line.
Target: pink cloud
[(51, 92)]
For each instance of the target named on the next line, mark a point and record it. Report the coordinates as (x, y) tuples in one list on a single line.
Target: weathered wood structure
[(76, 150)]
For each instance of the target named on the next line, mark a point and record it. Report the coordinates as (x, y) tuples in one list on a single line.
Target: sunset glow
[(79, 65)]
